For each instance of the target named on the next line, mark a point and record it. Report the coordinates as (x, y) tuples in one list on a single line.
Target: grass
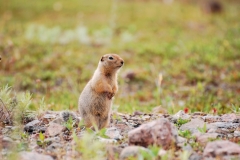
[(52, 48)]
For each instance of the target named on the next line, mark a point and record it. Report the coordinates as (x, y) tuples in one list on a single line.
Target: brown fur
[(95, 100)]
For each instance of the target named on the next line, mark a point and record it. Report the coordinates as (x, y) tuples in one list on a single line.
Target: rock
[(54, 129), (106, 140), (222, 131), (132, 151), (34, 155), (146, 118), (137, 113), (195, 156), (181, 114), (160, 132), (236, 133), (113, 133), (229, 117), (181, 141), (220, 148), (203, 139), (53, 146), (31, 126), (7, 142), (161, 152), (52, 139), (193, 125), (199, 114), (227, 125), (58, 121), (112, 151), (211, 119)]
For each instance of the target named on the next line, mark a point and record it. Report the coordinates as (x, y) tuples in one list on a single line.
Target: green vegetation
[(51, 49)]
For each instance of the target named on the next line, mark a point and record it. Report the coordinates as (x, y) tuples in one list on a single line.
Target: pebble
[(236, 133), (34, 155)]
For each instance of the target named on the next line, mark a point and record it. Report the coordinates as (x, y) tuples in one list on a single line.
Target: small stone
[(162, 152), (132, 151), (199, 114), (31, 126), (54, 146), (53, 139), (181, 114), (49, 116), (58, 121), (230, 136), (181, 141), (113, 133), (106, 140), (211, 119), (145, 118), (220, 148), (212, 130), (34, 155), (195, 156), (137, 113), (222, 131), (7, 142), (112, 151), (54, 129), (236, 133), (229, 117), (160, 132), (193, 125), (227, 125), (203, 139)]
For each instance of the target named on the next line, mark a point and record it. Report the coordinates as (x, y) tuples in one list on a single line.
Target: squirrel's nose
[(122, 62)]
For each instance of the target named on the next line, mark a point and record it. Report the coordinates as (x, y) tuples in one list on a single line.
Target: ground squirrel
[(95, 100)]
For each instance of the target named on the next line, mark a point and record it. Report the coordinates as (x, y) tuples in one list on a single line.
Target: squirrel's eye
[(111, 58)]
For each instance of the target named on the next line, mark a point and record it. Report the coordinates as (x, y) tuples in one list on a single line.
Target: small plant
[(41, 140), (69, 123), (203, 129), (185, 134), (94, 152), (181, 121)]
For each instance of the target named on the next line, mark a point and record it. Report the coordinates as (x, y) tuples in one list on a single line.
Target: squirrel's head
[(111, 61)]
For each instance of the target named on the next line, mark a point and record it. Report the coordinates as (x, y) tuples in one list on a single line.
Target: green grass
[(197, 53)]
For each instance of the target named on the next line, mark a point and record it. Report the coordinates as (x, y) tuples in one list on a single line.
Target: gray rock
[(229, 117), (113, 133), (193, 125), (181, 141), (160, 132), (7, 142), (181, 114), (54, 146), (211, 118), (54, 129), (236, 133), (34, 155), (31, 126), (220, 148), (227, 125), (49, 116), (203, 139), (58, 121), (195, 156), (132, 151)]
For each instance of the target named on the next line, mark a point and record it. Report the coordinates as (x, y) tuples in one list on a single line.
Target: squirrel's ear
[(102, 59)]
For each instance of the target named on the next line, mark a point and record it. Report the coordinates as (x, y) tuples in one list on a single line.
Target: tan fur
[(95, 100)]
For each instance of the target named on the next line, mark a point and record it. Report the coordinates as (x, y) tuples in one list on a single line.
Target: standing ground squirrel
[(95, 100)]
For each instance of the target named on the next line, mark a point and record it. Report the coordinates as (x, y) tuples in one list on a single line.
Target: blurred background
[(51, 48)]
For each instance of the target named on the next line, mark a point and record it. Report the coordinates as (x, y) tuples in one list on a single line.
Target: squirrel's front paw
[(110, 95)]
